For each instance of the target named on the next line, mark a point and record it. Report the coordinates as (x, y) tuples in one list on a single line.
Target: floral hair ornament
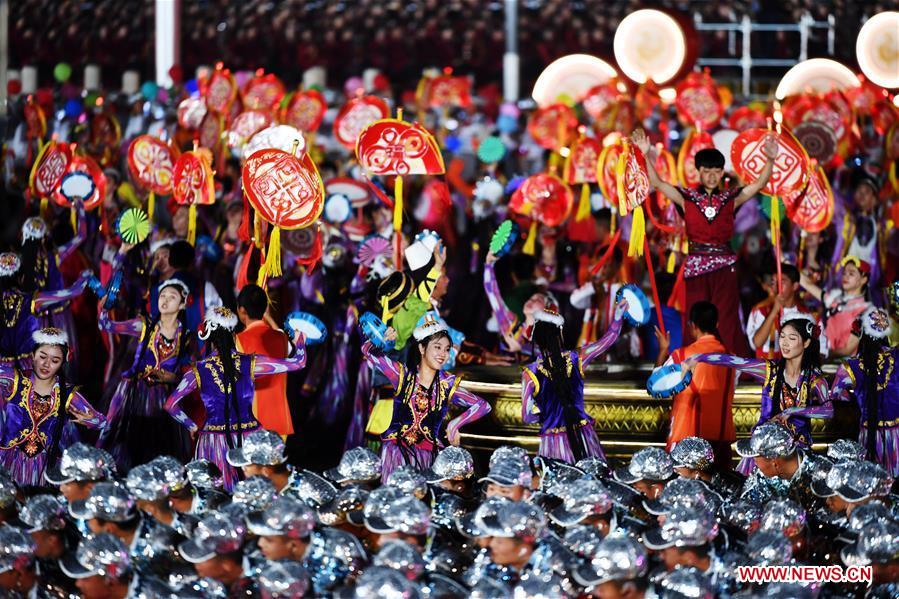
[(218, 317), (50, 336), (876, 323), (9, 264), (550, 316), (34, 228), (178, 284), (431, 326)]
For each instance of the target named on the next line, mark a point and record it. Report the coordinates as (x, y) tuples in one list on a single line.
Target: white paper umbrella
[(573, 76), (819, 75), (650, 44), (877, 49)]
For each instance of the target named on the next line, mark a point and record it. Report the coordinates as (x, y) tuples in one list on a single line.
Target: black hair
[(704, 315), (254, 300), (548, 338), (869, 351), (603, 216), (700, 551), (181, 255), (789, 271), (708, 158), (809, 366), (221, 340), (128, 525), (523, 267), (35, 264), (665, 284)]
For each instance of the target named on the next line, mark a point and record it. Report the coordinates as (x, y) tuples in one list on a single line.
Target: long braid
[(223, 342), (869, 354), (55, 450)]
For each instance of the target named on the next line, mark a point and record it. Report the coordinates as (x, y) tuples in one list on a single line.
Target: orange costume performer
[(270, 399)]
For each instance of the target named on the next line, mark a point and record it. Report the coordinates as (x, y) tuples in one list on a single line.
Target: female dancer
[(422, 397), (552, 389), (35, 406), (18, 309), (844, 305), (874, 379), (139, 428), (226, 389), (793, 388)]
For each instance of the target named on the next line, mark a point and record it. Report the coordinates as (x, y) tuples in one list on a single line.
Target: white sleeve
[(582, 296), (753, 324)]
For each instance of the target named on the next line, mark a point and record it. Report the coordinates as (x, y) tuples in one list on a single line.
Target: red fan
[(812, 207), (305, 111), (210, 134), (263, 92), (553, 127), (790, 167), (247, 124), (446, 91), (193, 185), (221, 91), (85, 164), (580, 167), (356, 115), (49, 168), (599, 97), (605, 172), (394, 147), (698, 102), (746, 117)]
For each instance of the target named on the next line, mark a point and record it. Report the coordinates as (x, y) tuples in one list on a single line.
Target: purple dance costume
[(226, 416), (851, 375), (413, 436), (31, 424), (539, 402)]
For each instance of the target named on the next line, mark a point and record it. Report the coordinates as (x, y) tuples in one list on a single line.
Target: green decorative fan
[(133, 226), (766, 208), (492, 149), (503, 239)]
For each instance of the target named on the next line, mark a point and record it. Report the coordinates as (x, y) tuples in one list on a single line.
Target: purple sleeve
[(530, 386), (132, 328), (45, 299), (84, 413), (591, 351), (264, 365), (477, 408), (390, 369), (818, 403), (187, 386), (67, 248), (754, 367), (505, 318), (843, 380)]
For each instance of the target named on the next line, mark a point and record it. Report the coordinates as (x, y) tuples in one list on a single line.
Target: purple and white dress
[(139, 429), (32, 427), (226, 416), (539, 402), (414, 434)]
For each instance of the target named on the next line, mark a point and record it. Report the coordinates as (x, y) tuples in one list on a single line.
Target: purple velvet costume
[(851, 375), (31, 424), (539, 402), (799, 402), (139, 429), (413, 436), (18, 324), (207, 376)]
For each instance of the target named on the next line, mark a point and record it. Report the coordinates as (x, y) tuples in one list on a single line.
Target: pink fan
[(372, 247)]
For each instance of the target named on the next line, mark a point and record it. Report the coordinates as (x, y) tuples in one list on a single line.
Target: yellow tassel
[(672, 259), (151, 205), (638, 233), (620, 168), (257, 231), (775, 223), (583, 208), (192, 224), (273, 255), (398, 204), (554, 162), (45, 208), (614, 223), (385, 313), (530, 246), (73, 218)]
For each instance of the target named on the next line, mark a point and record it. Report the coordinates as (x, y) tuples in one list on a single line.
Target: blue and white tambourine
[(638, 308), (313, 328), (338, 209), (112, 290), (429, 238), (667, 381), (77, 185), (374, 330)]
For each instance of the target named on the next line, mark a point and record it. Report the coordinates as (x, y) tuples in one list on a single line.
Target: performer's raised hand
[(771, 147), (641, 140)]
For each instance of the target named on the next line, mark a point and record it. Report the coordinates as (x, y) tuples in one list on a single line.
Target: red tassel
[(243, 233), (608, 254), (243, 277), (310, 261)]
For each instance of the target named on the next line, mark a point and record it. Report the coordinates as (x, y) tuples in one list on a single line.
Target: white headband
[(34, 228), (870, 328), (50, 336), (550, 317), (431, 326), (807, 318), (181, 285)]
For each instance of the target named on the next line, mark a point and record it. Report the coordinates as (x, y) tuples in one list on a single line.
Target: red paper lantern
[(247, 124), (49, 167), (152, 164), (686, 158), (285, 190), (85, 164), (356, 115), (305, 111), (553, 126), (632, 178), (790, 167), (544, 198), (393, 147)]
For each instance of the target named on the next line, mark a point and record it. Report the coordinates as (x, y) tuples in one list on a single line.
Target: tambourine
[(112, 290), (504, 238), (374, 330), (77, 185), (667, 381), (638, 308), (338, 209), (133, 226), (94, 284), (313, 328)]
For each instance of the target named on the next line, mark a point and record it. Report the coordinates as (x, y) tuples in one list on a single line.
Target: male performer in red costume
[(708, 212)]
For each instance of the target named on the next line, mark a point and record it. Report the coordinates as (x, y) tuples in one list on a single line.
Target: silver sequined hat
[(408, 515), (769, 440), (451, 463), (878, 543), (784, 516), (283, 580), (583, 540), (516, 519), (16, 549), (854, 481), (618, 558), (261, 447), (346, 507), (380, 583), (594, 466), (694, 453), (684, 583), (864, 514), (98, 555), (580, 499), (204, 474), (402, 557), (766, 548), (80, 462), (8, 490), (358, 465), (743, 515), (533, 585), (447, 510), (313, 489), (171, 471), (107, 501), (554, 474), (284, 517), (504, 452), (683, 492), (845, 450), (408, 480), (510, 471), (683, 527), (216, 534), (650, 463), (255, 494), (43, 512), (145, 482), (478, 522), (375, 510)]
